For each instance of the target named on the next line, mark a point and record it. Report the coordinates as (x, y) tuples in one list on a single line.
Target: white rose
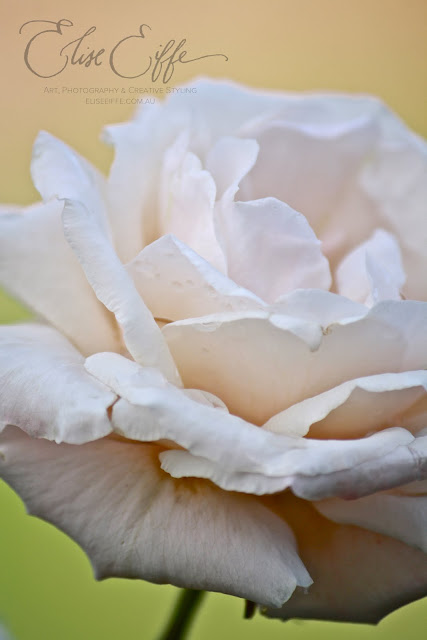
[(228, 341)]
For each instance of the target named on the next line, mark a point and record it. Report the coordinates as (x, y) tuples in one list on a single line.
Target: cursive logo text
[(159, 65)]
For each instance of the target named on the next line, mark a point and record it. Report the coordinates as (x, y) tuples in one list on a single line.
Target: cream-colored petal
[(372, 271), (60, 172), (186, 202), (135, 521), (114, 287), (236, 455), (270, 248), (310, 157), (317, 305), (399, 466), (359, 576), (213, 109), (229, 160), (258, 366), (417, 488), (38, 267), (45, 390), (176, 283), (356, 407), (348, 469), (182, 464), (151, 409), (395, 180), (131, 183), (397, 516)]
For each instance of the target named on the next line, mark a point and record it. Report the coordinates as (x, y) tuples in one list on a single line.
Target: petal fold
[(373, 271), (238, 456), (114, 288), (187, 198), (401, 517), (359, 576), (45, 390), (271, 248), (60, 172), (260, 365), (38, 267), (176, 283), (356, 407), (134, 521)]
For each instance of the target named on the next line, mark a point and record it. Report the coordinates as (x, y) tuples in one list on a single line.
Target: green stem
[(188, 602)]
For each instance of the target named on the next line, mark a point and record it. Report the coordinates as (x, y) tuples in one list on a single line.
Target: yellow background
[(371, 46)]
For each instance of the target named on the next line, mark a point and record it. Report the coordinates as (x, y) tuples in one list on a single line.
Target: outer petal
[(260, 365), (239, 456), (398, 466), (309, 151), (395, 180), (357, 468), (176, 283), (271, 248), (356, 407), (373, 271), (358, 576), (37, 266), (45, 390), (311, 154), (216, 109), (134, 521), (59, 172), (398, 516), (114, 288)]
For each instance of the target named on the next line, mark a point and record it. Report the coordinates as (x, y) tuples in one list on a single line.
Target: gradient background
[(371, 46)]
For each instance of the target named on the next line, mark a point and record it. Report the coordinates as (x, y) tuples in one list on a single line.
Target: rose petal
[(373, 271), (229, 160), (417, 488), (130, 186), (348, 470), (354, 408), (45, 390), (114, 287), (60, 172), (187, 197), (401, 465), (359, 576), (150, 411), (136, 522), (259, 366), (38, 267), (176, 283), (213, 110), (270, 248), (317, 140), (236, 451), (316, 305), (395, 179), (397, 516), (310, 156)]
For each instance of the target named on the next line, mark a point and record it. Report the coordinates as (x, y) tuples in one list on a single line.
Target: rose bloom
[(225, 387)]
